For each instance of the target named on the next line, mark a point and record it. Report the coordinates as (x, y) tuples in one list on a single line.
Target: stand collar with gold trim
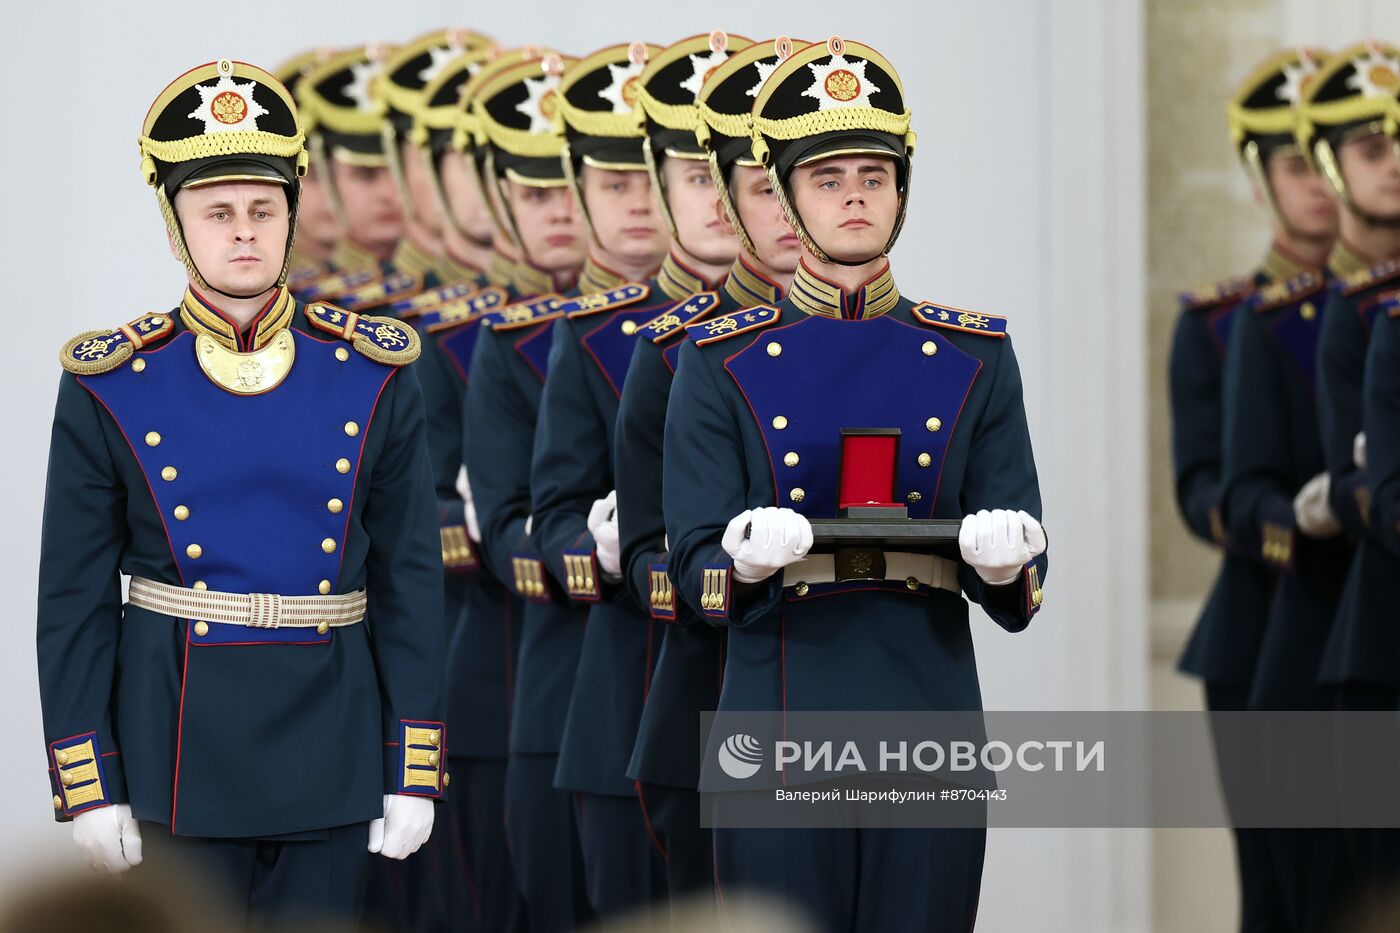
[(597, 277), (347, 257), (677, 280), (815, 295), (408, 258), (1344, 260), (501, 271), (749, 287), (1280, 266), (203, 318)]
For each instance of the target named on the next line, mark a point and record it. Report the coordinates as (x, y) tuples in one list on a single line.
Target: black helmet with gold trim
[(222, 121), (1353, 95), (399, 89), (291, 71), (342, 113), (828, 99), (598, 114), (725, 105), (669, 86)]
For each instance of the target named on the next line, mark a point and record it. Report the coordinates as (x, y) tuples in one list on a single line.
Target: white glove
[(1358, 450), (109, 838), (464, 489), (406, 825), (602, 524), (1313, 511), (778, 537), (999, 543)]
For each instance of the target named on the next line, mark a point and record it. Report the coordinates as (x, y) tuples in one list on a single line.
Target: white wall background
[(1027, 202)]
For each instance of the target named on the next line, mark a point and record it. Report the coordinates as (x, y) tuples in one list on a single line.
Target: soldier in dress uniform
[(503, 357), (345, 136), (318, 229), (242, 655), (1351, 132), (572, 486), (753, 438), (1224, 646), (690, 659), (1275, 503)]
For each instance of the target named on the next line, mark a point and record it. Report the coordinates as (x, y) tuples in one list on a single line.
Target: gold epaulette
[(100, 351), (727, 325), (1278, 294), (610, 300), (525, 313), (969, 322), (1378, 274), (678, 316), (1216, 294), (382, 339)]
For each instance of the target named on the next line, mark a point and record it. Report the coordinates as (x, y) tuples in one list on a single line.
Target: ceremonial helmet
[(724, 105), (399, 90), (436, 122), (515, 109), (597, 114), (1353, 94), (828, 99), (670, 84), (341, 114), (1264, 111), (222, 121)]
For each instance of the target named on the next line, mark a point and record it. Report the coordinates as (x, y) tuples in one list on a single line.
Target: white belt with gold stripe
[(254, 610), (913, 570)]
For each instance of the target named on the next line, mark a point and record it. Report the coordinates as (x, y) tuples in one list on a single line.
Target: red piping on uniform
[(948, 445), (646, 818), (359, 462), (646, 671), (719, 888), (180, 731), (510, 662)]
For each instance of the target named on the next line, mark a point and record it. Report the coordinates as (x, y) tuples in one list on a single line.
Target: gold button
[(342, 465), (629, 327), (775, 348), (433, 738), (925, 460), (797, 494), (791, 459), (914, 497), (152, 438), (801, 588), (66, 778), (181, 513), (934, 424), (194, 551), (446, 779), (351, 428), (780, 422), (201, 629), (328, 545), (1308, 311), (434, 758), (323, 628), (168, 474), (929, 348), (324, 586), (157, 321), (342, 354), (201, 585), (334, 506), (62, 756), (57, 803), (138, 365), (911, 582)]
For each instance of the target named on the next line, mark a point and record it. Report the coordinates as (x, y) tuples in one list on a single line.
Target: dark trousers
[(621, 865), (1261, 898), (544, 845), (1373, 853), (872, 880), (273, 884), (687, 851), (471, 860)]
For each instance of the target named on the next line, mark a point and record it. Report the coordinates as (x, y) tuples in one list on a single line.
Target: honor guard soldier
[(504, 357), (318, 229), (690, 658), (343, 122), (1351, 132), (1224, 646), (1275, 503), (753, 441), (259, 468), (572, 483)]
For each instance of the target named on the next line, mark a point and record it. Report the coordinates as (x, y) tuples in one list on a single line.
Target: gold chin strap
[(390, 140), (798, 227), (319, 153), (177, 236), (658, 187), (575, 185), (440, 192), (482, 173), (731, 212), (1327, 164)]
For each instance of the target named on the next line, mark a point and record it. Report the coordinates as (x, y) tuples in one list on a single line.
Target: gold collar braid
[(529, 280), (596, 278), (409, 258), (1344, 261), (501, 271), (676, 281), (1278, 266), (749, 287), (815, 295), (200, 317), (347, 257)]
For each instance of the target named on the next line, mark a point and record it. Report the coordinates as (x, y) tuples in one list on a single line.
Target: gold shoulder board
[(101, 351), (382, 339), (969, 322)]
